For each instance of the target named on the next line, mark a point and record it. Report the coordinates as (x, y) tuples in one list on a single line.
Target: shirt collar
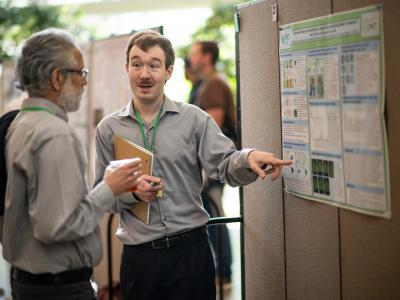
[(42, 102), (127, 110), (170, 106)]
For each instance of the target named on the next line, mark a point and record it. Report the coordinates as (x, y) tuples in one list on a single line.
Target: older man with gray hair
[(50, 231)]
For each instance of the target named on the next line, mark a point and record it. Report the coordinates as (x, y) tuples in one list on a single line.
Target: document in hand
[(124, 149)]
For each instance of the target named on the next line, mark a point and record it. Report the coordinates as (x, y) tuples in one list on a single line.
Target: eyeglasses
[(83, 72)]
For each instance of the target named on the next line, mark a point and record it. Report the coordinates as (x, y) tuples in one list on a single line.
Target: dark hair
[(43, 52), (186, 62), (149, 38), (210, 47)]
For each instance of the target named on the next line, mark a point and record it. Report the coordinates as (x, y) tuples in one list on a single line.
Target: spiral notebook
[(123, 148)]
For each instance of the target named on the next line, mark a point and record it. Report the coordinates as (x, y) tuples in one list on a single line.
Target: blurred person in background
[(194, 79), (214, 96)]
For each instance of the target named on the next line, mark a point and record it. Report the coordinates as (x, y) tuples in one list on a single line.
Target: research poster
[(332, 97)]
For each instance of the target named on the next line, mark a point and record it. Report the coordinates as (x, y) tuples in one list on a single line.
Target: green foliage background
[(18, 23)]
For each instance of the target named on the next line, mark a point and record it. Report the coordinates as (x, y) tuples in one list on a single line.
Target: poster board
[(332, 97), (110, 83)]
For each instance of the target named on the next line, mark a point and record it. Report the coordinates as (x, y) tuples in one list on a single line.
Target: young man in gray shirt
[(50, 231), (170, 257)]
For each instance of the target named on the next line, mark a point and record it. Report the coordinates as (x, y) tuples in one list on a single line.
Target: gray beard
[(70, 99)]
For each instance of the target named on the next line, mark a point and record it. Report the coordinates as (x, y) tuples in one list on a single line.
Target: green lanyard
[(145, 141), (37, 108)]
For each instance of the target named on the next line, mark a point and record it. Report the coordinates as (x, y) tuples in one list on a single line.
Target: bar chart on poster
[(332, 97)]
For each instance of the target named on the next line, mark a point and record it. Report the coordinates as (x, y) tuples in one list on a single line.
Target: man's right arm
[(60, 207), (104, 153)]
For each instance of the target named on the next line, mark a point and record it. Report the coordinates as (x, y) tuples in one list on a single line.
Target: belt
[(66, 277), (174, 240)]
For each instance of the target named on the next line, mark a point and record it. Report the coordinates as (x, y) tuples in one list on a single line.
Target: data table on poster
[(332, 97)]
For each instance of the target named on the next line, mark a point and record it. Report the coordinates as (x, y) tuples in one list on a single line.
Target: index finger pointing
[(283, 162)]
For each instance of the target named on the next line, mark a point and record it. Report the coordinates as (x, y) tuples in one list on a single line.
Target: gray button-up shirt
[(187, 140), (50, 220)]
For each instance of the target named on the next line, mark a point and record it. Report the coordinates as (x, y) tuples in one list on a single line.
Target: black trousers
[(74, 291), (182, 272)]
